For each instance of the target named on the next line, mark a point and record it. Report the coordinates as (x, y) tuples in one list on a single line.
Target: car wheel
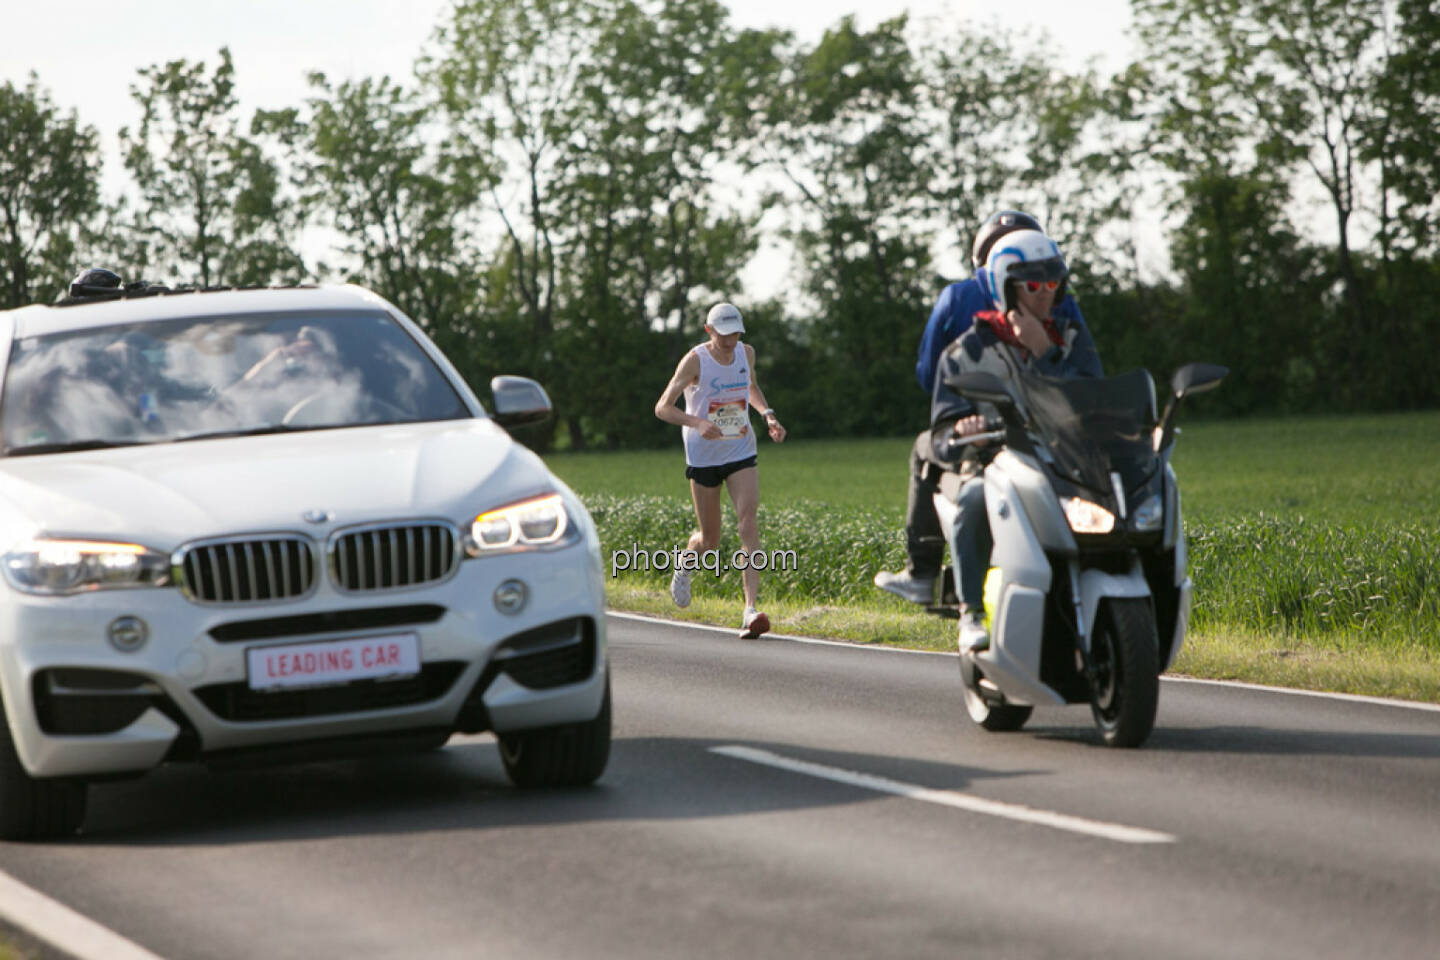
[(32, 809), (568, 755)]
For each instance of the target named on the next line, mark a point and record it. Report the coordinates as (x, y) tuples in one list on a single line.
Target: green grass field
[(1315, 545)]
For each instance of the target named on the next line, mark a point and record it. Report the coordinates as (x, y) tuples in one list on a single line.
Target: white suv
[(276, 524)]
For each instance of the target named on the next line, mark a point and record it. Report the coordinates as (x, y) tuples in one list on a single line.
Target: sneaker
[(973, 635), (907, 586), (753, 624), (680, 587)]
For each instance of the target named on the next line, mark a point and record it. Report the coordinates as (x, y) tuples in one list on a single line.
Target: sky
[(86, 52)]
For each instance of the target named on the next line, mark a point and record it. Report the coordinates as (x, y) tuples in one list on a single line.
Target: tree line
[(565, 186)]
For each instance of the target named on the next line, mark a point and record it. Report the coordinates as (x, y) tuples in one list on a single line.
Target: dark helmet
[(996, 227), (96, 281)]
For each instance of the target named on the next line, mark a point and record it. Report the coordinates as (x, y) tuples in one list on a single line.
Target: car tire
[(568, 755), (32, 809)]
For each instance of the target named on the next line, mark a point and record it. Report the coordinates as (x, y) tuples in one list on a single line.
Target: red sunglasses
[(1034, 285)]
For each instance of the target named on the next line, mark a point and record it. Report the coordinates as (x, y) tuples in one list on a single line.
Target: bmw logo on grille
[(317, 516)]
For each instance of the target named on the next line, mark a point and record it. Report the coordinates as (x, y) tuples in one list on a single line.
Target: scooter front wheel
[(986, 704), (1125, 672)]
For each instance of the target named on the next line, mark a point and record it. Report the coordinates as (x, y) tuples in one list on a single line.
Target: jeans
[(970, 543)]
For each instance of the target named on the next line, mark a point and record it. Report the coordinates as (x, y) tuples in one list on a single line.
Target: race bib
[(730, 416)]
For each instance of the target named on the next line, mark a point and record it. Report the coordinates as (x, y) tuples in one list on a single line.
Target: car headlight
[(1087, 517), (540, 522), (52, 566), (1149, 515)]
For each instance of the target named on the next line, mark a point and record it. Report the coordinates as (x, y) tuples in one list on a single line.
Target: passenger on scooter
[(953, 315), (1025, 275)]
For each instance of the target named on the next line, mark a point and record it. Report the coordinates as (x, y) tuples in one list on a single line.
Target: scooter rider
[(953, 315), (1025, 275)]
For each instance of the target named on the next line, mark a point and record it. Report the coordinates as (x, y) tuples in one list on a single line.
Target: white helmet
[(1023, 255)]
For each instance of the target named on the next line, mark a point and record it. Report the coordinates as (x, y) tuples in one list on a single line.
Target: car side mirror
[(519, 401)]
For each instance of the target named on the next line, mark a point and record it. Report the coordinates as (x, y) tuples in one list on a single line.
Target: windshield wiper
[(248, 432), (30, 449)]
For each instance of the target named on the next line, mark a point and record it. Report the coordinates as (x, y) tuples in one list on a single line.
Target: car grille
[(248, 569), (237, 703), (327, 621), (394, 556)]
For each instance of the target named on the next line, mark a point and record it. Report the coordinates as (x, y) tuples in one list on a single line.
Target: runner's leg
[(744, 486), (707, 515)]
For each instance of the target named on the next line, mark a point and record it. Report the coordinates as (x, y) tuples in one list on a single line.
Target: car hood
[(165, 494)]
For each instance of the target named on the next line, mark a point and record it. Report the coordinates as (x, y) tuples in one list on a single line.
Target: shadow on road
[(1259, 741), (463, 786), (1270, 740)]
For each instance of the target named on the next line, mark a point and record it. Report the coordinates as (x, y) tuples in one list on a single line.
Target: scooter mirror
[(982, 386), (1197, 378)]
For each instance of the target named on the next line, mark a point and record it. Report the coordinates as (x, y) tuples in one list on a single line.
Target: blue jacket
[(954, 313)]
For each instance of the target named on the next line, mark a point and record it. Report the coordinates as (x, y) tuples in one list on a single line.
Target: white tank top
[(722, 396)]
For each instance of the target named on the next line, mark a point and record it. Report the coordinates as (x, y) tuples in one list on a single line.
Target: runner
[(719, 386)]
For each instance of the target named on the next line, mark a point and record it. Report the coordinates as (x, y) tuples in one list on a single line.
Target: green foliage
[(49, 168), (1400, 136), (209, 210), (1316, 527), (835, 552), (572, 183), (597, 130), (1250, 98), (363, 165), (1294, 577)]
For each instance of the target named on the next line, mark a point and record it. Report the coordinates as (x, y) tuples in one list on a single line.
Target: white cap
[(725, 318)]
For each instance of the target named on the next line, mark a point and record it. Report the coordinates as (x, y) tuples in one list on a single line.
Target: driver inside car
[(311, 352), (1026, 276), (303, 381)]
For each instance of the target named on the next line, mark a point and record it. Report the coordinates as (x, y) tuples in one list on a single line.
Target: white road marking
[(951, 798), (56, 924), (1237, 684)]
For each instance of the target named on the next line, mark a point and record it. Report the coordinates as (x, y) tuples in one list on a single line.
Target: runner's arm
[(686, 373), (758, 401)]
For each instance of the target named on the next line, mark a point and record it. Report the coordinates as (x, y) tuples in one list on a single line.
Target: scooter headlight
[(1150, 515), (1087, 517)]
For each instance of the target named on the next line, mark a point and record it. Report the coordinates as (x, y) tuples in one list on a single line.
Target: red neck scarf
[(1000, 323)]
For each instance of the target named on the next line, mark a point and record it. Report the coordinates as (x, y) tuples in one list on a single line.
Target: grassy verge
[(1314, 548)]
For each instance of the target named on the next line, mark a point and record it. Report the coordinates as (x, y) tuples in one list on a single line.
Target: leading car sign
[(336, 661)]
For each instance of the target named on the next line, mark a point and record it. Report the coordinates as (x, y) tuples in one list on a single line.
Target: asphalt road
[(784, 799)]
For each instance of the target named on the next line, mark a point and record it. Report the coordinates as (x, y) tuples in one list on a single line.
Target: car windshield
[(166, 381)]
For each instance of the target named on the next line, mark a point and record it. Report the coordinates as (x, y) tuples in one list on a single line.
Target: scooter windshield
[(1093, 426)]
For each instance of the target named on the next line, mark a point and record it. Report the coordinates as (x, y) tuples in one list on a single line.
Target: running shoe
[(754, 624), (680, 587)]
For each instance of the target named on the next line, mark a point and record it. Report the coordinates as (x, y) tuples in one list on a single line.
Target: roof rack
[(97, 285)]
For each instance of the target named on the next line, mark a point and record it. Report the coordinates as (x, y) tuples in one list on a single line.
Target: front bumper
[(481, 669)]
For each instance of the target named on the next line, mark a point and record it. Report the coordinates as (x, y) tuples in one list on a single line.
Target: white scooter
[(1087, 598)]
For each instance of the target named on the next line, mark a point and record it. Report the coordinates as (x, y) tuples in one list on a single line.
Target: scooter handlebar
[(989, 435)]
